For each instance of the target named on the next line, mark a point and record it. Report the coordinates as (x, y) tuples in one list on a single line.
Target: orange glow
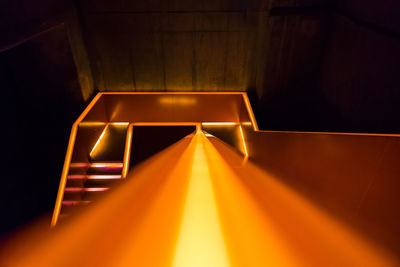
[(92, 123), (79, 165), (64, 174), (172, 93), (171, 100), (94, 177), (74, 202), (86, 189), (219, 123), (111, 165), (250, 111), (99, 140), (164, 123), (119, 123), (67, 161), (127, 151), (88, 108), (246, 154), (198, 128), (196, 204), (106, 165), (200, 241)]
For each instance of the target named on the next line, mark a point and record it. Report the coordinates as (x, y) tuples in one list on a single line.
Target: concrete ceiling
[(209, 45)]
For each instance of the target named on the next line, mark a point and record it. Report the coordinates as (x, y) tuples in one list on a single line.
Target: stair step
[(86, 181), (98, 171), (95, 177), (95, 168), (86, 189), (109, 165), (91, 183), (101, 183), (75, 202)]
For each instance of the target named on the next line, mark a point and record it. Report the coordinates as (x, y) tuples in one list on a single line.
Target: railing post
[(127, 151)]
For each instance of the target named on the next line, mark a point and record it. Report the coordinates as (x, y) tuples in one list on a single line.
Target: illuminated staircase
[(87, 182), (331, 185)]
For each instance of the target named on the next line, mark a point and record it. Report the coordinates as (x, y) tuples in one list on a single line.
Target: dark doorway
[(149, 140)]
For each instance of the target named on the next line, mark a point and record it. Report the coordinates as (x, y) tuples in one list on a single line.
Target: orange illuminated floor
[(198, 203)]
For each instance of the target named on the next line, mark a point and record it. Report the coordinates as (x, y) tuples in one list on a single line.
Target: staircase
[(86, 182)]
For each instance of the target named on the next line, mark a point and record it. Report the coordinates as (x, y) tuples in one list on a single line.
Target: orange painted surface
[(127, 151), (173, 108), (197, 204)]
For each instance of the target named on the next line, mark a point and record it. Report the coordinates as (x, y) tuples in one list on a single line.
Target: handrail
[(67, 161)]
